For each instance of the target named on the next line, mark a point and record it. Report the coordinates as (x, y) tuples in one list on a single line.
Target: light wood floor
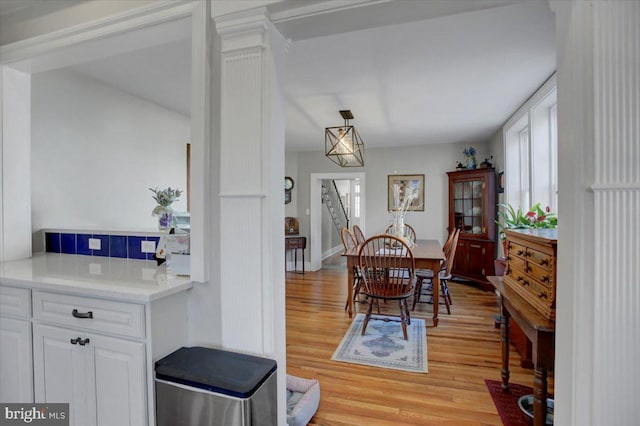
[(462, 351)]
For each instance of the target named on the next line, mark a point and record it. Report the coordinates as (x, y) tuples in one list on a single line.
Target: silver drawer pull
[(77, 314)]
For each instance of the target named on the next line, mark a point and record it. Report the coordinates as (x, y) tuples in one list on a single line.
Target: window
[(531, 151)]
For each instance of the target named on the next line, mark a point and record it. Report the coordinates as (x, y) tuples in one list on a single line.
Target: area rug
[(507, 403), (383, 345)]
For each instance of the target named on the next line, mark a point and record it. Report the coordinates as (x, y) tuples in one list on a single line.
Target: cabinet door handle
[(77, 314), (543, 295), (544, 262), (75, 341), (83, 342), (546, 279), (520, 252)]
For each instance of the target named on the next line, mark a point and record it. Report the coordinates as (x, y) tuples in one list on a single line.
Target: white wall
[(97, 150), (432, 160)]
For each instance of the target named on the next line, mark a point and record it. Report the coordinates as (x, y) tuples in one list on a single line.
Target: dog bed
[(303, 398)]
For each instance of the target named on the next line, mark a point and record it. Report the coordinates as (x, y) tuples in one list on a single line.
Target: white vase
[(398, 226)]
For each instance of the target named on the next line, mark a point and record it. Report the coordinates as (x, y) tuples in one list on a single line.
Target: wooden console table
[(295, 243), (540, 331)]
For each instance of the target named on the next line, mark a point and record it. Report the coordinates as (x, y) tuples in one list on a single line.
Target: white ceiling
[(445, 71)]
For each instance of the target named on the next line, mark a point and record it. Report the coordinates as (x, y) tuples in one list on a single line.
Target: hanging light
[(343, 145)]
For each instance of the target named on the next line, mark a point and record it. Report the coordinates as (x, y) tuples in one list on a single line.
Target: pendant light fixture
[(343, 145)]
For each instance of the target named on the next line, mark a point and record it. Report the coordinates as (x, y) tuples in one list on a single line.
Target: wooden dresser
[(531, 267)]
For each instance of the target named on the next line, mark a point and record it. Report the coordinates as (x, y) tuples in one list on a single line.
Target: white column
[(251, 189), (15, 164), (598, 320)]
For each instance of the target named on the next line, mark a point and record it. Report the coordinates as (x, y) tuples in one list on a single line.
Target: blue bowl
[(525, 403)]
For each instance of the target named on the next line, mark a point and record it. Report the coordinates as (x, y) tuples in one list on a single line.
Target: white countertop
[(122, 279)]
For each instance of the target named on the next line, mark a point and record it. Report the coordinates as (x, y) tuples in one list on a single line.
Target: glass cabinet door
[(468, 207)]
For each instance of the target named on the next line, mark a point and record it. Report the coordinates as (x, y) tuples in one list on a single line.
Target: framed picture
[(404, 182)]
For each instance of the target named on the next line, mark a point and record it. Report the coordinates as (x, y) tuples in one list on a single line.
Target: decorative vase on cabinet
[(472, 208)]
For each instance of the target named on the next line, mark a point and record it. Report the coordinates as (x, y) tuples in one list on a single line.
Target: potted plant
[(511, 218), (164, 198)]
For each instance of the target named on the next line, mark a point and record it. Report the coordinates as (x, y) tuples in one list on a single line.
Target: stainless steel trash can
[(202, 386)]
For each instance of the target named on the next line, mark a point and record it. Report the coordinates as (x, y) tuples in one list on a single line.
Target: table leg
[(504, 337), (436, 294), (539, 396), (350, 281)]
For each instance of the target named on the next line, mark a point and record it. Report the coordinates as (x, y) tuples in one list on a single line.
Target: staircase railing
[(331, 199)]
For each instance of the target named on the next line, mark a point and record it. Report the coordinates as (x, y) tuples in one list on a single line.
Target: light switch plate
[(94, 243), (148, 246)]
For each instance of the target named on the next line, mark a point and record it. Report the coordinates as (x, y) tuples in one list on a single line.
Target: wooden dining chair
[(426, 275), (349, 242), (387, 267), (360, 238), (408, 231)]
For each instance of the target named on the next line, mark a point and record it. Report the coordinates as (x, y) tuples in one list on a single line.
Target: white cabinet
[(16, 370), (16, 366), (103, 378), (92, 349)]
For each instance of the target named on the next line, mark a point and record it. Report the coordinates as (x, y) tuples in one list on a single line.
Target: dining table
[(427, 254)]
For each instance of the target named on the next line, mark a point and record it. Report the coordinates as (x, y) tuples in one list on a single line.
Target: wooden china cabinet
[(472, 208)]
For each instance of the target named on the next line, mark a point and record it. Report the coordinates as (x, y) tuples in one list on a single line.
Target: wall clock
[(288, 185)]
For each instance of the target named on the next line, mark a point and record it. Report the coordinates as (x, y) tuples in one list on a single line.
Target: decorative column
[(15, 164), (251, 189), (598, 320)]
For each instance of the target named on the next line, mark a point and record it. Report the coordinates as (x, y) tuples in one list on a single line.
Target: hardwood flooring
[(462, 351)]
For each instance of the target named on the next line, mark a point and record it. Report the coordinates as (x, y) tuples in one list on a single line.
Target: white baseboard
[(332, 251)]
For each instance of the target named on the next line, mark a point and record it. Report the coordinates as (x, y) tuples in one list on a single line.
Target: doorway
[(317, 206)]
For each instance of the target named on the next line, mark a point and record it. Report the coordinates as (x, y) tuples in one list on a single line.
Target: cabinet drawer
[(295, 243), (121, 318), (516, 249), (515, 261), (15, 301), (539, 258), (544, 275)]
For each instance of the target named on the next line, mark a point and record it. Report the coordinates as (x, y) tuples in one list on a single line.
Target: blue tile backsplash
[(104, 245), (52, 242), (122, 246), (68, 243), (118, 246)]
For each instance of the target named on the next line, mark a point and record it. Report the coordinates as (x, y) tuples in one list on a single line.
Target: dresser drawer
[(543, 275), (295, 243), (516, 249), (515, 261), (15, 302), (539, 258), (121, 318)]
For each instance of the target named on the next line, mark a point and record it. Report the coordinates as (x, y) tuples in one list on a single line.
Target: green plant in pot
[(511, 218)]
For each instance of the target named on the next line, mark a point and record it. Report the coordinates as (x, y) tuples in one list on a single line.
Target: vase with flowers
[(164, 198), (402, 201), (470, 156), (536, 217)]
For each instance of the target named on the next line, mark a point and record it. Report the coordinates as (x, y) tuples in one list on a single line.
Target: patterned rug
[(383, 345), (507, 403)]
